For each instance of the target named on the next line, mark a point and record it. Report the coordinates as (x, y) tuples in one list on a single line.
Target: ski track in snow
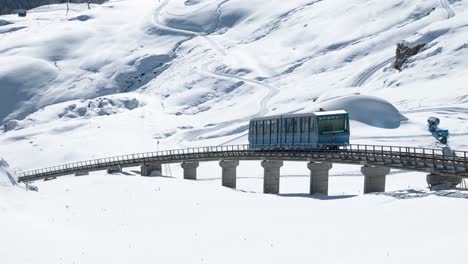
[(367, 74), (451, 13), (263, 105)]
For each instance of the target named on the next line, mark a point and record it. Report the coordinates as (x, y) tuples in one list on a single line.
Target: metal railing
[(410, 158)]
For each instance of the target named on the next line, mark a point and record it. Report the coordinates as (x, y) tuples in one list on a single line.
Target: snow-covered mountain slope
[(116, 79), (197, 71)]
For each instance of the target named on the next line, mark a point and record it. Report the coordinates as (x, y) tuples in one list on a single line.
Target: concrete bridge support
[(319, 177), (271, 176), (82, 173), (151, 169), (115, 169), (190, 170), (374, 178), (229, 172), (442, 182)]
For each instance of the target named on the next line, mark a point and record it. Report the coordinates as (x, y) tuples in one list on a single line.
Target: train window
[(261, 128), (254, 129), (297, 125), (290, 128), (305, 124), (332, 124), (274, 126), (267, 127)]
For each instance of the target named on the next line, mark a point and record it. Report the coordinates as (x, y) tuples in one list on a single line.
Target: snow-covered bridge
[(376, 161)]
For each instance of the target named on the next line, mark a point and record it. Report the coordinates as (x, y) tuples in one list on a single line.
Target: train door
[(313, 130), (297, 130), (305, 130), (274, 131), (282, 128), (253, 127), (290, 131), (266, 131), (259, 132)]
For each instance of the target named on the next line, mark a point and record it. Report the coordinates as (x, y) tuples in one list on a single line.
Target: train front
[(333, 128)]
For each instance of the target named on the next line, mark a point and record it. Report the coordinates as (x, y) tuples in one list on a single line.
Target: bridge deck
[(408, 158)]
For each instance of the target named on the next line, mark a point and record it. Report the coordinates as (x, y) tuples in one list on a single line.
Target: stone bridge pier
[(374, 178), (271, 176), (441, 181), (190, 170), (229, 177), (319, 177), (151, 169)]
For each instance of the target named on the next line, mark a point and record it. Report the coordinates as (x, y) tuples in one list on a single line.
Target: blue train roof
[(323, 113)]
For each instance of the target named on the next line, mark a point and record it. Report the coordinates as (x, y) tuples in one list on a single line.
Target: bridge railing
[(166, 155)]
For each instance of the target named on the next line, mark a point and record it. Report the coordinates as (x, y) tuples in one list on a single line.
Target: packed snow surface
[(125, 75), (127, 218)]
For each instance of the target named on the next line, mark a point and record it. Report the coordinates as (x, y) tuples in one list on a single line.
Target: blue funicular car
[(318, 130)]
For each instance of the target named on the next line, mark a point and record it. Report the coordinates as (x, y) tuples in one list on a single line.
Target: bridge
[(376, 162)]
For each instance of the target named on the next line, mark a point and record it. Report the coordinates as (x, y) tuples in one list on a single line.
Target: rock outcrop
[(403, 52), (9, 6)]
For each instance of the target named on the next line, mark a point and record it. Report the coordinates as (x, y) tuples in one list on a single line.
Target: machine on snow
[(440, 134)]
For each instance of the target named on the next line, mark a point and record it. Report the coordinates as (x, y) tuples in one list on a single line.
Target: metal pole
[(400, 153), (443, 159), (424, 156), (454, 156), (465, 161), (365, 151)]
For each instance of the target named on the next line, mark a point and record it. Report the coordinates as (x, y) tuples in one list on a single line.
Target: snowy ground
[(115, 79), (127, 218)]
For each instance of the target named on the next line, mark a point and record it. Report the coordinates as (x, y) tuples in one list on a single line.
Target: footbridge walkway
[(376, 162)]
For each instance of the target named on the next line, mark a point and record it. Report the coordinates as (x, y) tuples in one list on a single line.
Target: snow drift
[(7, 176), (369, 110)]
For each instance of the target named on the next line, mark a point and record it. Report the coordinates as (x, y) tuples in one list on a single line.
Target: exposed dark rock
[(4, 22), (10, 125), (403, 52), (10, 6)]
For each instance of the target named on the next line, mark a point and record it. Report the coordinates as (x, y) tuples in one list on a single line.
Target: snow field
[(199, 70), (171, 220)]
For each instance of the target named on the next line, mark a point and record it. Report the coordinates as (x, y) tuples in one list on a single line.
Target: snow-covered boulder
[(20, 82), (99, 107), (7, 176), (370, 110)]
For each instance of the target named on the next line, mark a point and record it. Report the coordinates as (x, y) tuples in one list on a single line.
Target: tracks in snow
[(450, 12), (367, 74), (263, 105)]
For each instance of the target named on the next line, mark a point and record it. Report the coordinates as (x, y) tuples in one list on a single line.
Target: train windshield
[(333, 124)]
